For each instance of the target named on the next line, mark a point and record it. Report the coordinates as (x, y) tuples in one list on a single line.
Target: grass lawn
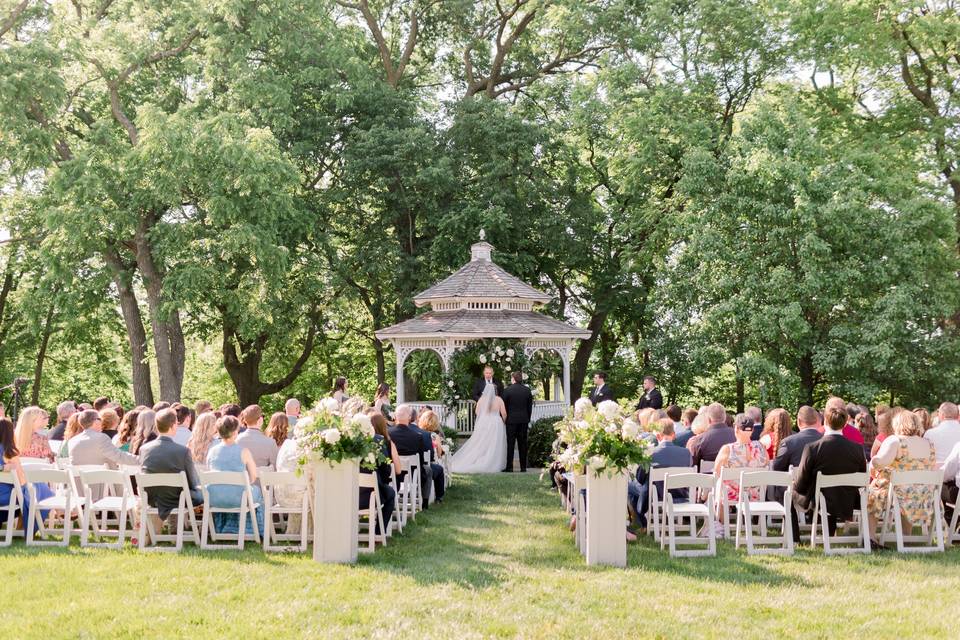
[(495, 560)]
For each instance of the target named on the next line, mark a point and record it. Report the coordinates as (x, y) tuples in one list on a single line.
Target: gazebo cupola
[(481, 300)]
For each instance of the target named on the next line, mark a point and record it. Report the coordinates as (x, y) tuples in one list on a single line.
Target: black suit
[(481, 384), (410, 442), (601, 393), (831, 455), (519, 403), (652, 399), (789, 453)]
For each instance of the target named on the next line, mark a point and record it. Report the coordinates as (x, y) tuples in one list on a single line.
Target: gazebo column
[(401, 356), (566, 376)]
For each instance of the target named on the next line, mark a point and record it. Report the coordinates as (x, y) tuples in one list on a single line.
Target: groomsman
[(482, 383), (518, 400), (601, 390), (651, 398)]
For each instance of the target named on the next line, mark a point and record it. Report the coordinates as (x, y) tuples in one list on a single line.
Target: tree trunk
[(381, 361), (41, 356), (168, 342), (243, 364), (578, 368), (136, 334), (740, 394)]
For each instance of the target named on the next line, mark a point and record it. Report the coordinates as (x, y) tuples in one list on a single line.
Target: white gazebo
[(481, 300)]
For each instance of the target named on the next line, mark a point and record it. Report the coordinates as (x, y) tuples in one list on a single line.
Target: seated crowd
[(170, 438), (842, 438)]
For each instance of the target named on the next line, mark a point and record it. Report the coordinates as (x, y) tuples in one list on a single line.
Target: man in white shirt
[(292, 409), (946, 435), (181, 435)]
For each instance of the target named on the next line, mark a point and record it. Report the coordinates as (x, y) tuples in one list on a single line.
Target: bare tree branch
[(11, 19)]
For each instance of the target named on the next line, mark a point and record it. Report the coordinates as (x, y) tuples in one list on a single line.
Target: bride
[(486, 450)]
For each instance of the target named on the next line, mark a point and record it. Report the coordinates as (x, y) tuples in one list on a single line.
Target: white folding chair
[(860, 542), (15, 504), (65, 500), (580, 510), (410, 486), (116, 498), (55, 446), (183, 511), (396, 519), (765, 509), (657, 474), (706, 466), (269, 481), (447, 468), (727, 474), (35, 462), (676, 512), (930, 480), (246, 507), (371, 515)]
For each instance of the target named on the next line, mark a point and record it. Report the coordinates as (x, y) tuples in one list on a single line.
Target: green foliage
[(540, 441)]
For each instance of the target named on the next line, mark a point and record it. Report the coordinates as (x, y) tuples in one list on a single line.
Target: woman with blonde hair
[(925, 421), (73, 428), (109, 421), (30, 442), (202, 436), (776, 428), (430, 422), (905, 450), (278, 428), (146, 430)]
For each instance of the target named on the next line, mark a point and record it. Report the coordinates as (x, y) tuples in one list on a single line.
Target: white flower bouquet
[(601, 438), (324, 435)]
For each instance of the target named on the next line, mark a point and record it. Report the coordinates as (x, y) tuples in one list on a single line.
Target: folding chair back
[(727, 474), (65, 500), (410, 485), (371, 515), (674, 512), (15, 504), (706, 466), (116, 497), (246, 507), (183, 511), (269, 482), (41, 462), (932, 538), (764, 510), (861, 541), (657, 474)]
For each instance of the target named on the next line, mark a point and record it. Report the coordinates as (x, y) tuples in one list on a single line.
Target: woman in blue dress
[(10, 461), (229, 456)]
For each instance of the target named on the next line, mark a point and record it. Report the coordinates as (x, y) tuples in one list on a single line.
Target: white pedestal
[(606, 519), (335, 509)]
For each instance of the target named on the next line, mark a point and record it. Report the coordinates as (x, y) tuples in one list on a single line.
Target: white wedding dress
[(486, 450)]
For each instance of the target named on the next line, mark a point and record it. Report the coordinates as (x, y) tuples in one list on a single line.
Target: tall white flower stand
[(335, 519), (606, 542)]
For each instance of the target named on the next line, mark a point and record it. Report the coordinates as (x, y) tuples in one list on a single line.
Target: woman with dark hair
[(278, 428), (340, 390), (381, 401), (73, 428), (868, 429), (128, 427), (146, 430), (776, 428), (388, 494), (10, 462), (229, 456)]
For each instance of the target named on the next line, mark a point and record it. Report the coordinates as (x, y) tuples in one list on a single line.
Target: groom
[(519, 403), (482, 383)]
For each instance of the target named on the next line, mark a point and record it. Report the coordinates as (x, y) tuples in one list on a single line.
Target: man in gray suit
[(263, 448), (163, 455), (92, 446)]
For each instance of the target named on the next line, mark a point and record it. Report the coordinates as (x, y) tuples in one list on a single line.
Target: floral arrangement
[(326, 434), (505, 356), (604, 438)]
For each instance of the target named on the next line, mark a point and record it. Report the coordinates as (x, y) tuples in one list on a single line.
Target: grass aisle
[(495, 560)]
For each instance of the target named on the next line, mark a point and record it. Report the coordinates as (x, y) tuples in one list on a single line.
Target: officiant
[(482, 383)]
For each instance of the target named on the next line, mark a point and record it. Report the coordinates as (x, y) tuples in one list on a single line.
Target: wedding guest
[(884, 429), (201, 407), (128, 427), (64, 410), (756, 414), (203, 436), (429, 421), (109, 421), (744, 453), (381, 401), (905, 450), (10, 461), (231, 409), (340, 390), (291, 409), (849, 431), (93, 447), (868, 429), (263, 449), (73, 428), (181, 434), (230, 455), (651, 398), (31, 443), (776, 429), (278, 427), (388, 496), (409, 442), (697, 428), (353, 406), (288, 459), (146, 430), (925, 420), (601, 390), (716, 435), (685, 432), (831, 455), (160, 406), (790, 449), (163, 455), (665, 454), (675, 413), (946, 435)]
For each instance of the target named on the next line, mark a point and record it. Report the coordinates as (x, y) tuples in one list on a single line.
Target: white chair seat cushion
[(113, 503), (60, 502), (766, 508), (690, 509)]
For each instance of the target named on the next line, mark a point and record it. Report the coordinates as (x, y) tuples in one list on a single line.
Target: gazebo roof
[(481, 278), (475, 323)]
